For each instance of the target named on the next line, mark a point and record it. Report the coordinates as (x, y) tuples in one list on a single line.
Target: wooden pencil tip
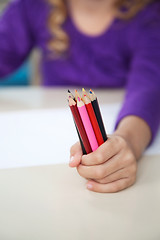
[(83, 89), (79, 99), (69, 91)]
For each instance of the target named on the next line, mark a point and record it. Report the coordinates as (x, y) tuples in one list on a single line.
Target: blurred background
[(28, 73)]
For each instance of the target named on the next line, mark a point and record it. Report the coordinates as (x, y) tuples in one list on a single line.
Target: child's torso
[(100, 61)]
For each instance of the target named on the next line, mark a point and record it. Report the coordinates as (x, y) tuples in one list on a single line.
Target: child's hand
[(111, 168)]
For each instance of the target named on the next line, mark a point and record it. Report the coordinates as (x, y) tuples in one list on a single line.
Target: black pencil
[(96, 108), (82, 146)]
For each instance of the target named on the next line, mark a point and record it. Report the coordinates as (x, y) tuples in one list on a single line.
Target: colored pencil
[(80, 139), (84, 92), (93, 119), (80, 126), (77, 95), (96, 108), (87, 124), (69, 94)]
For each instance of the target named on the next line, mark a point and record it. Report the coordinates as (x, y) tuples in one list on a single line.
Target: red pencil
[(97, 111), (93, 119), (80, 126)]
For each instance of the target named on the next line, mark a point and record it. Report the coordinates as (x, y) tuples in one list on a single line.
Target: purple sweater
[(127, 55)]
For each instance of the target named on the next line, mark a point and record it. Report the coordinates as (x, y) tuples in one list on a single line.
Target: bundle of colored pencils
[(88, 120)]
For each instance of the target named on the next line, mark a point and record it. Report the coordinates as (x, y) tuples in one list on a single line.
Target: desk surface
[(51, 202)]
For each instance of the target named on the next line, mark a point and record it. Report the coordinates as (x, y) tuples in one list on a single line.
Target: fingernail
[(71, 159), (89, 186)]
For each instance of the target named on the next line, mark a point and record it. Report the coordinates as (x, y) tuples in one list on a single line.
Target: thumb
[(75, 155)]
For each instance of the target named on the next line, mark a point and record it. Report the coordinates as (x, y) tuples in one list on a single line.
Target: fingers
[(128, 172), (122, 173), (75, 155), (107, 150), (123, 159), (102, 170), (76, 148), (111, 168), (110, 187)]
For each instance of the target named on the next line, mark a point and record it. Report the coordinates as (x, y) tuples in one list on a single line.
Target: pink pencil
[(87, 124)]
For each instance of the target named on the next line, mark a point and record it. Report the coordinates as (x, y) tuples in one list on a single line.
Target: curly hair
[(60, 41)]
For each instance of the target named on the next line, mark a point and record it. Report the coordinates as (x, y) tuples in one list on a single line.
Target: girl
[(105, 43)]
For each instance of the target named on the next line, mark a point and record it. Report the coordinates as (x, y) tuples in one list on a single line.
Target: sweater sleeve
[(16, 39), (142, 97)]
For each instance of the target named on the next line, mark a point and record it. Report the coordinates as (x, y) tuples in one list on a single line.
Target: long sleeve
[(143, 88), (16, 39)]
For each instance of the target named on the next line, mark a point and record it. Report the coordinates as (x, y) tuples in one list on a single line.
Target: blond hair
[(60, 41)]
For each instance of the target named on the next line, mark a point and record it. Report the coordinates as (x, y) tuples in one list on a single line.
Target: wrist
[(136, 133), (127, 136)]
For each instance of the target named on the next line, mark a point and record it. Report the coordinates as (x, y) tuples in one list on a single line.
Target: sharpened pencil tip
[(83, 89), (69, 91), (79, 99)]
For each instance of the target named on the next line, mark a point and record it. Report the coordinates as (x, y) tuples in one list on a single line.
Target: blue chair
[(19, 78)]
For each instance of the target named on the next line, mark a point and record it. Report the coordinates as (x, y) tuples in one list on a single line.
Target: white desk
[(52, 203)]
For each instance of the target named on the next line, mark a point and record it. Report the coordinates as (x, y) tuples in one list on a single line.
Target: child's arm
[(113, 166), (142, 96), (16, 40)]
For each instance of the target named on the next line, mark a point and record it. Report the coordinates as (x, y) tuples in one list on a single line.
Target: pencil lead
[(69, 91), (92, 92), (79, 99), (83, 90)]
